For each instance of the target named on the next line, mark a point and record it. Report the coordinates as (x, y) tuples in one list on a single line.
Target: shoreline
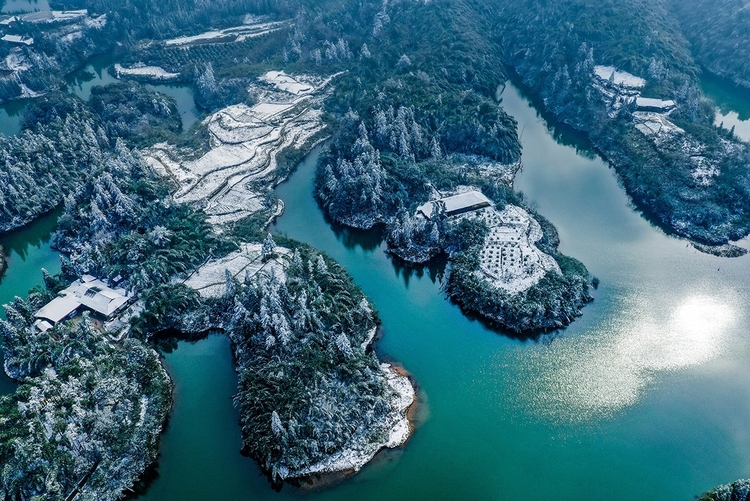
[(317, 481), (3, 261)]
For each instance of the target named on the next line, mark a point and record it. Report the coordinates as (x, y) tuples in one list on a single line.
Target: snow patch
[(360, 449), (620, 77), (153, 72), (509, 258), (284, 82), (228, 35), (210, 279)]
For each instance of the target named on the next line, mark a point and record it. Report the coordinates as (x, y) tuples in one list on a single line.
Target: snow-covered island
[(509, 270), (375, 421)]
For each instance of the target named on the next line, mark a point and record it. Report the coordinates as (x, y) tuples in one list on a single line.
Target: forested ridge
[(554, 52), (720, 36)]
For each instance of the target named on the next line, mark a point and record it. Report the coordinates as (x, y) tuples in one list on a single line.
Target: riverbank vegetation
[(121, 224), (718, 35), (310, 386), (736, 491), (690, 181)]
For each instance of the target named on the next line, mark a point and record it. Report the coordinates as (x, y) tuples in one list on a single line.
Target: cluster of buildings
[(86, 294), (623, 88)]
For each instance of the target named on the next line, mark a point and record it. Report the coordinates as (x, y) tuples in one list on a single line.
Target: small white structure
[(286, 83), (655, 105), (610, 74), (88, 292), (456, 204), (17, 39)]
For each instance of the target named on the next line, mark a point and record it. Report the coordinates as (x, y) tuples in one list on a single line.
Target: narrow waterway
[(27, 251), (97, 73)]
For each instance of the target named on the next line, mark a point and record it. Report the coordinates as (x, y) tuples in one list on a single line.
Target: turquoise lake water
[(647, 396), (27, 251)]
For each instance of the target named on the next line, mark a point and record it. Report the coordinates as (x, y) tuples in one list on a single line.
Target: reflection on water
[(662, 306), (591, 377), (97, 73), (733, 104), (27, 251), (10, 117)]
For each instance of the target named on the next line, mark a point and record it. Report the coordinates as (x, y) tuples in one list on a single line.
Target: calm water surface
[(10, 117), (27, 251), (97, 73), (18, 6), (733, 104), (646, 396)]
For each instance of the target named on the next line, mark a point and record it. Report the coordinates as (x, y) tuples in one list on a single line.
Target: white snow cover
[(509, 260), (284, 82), (621, 77), (228, 35), (16, 61), (244, 144), (210, 279), (658, 128), (360, 451), (154, 72)]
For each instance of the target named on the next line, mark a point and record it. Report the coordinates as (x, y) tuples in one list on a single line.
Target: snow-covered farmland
[(210, 280), (230, 181), (142, 71), (47, 17), (228, 35), (617, 77), (284, 82)]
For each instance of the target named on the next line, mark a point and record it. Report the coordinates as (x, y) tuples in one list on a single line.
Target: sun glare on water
[(594, 375)]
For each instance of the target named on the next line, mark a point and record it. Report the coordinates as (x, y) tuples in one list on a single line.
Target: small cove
[(27, 251), (732, 101)]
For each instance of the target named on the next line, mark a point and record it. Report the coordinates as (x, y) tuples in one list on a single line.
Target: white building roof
[(58, 308), (98, 296), (43, 325), (18, 39), (89, 292), (456, 204)]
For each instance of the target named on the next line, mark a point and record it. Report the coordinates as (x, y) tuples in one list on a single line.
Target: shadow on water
[(434, 269), (352, 238), (34, 235), (727, 95), (562, 133)]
